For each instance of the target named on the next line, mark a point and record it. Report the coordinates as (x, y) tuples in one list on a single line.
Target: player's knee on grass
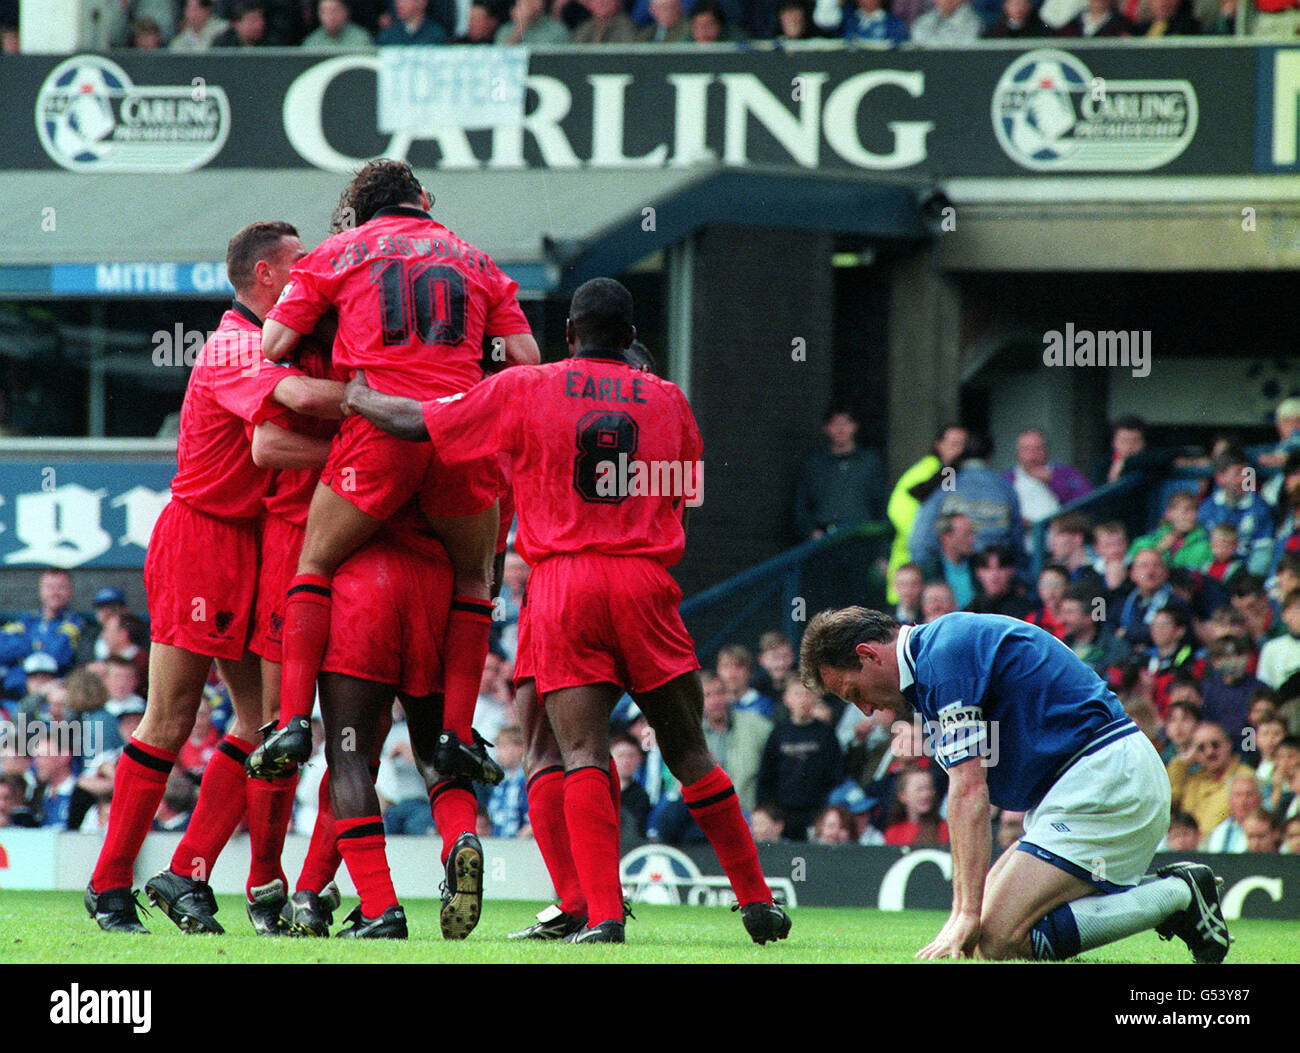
[(1000, 943)]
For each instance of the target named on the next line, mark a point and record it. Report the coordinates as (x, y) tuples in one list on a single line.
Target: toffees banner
[(1173, 109), (90, 514)]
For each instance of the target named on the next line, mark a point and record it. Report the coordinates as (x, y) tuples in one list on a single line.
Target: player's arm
[(970, 833), (401, 417), (278, 447), (278, 340), (520, 349), (311, 397)]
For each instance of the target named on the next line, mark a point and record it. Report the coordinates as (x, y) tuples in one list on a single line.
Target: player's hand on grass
[(354, 391), (957, 939)]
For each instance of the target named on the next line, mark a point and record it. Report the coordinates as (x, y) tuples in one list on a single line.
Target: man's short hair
[(1111, 526), (1181, 497), (1246, 585), (1072, 523), (832, 636), (1129, 422), (1081, 593), (1290, 561), (1190, 708), (255, 243), (738, 653), (1183, 820), (1227, 529), (839, 409), (601, 314), (381, 183), (1178, 614), (1001, 553), (1229, 458), (639, 357), (773, 639), (1291, 597)]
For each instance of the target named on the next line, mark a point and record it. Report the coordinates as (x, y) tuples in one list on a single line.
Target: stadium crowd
[(197, 25)]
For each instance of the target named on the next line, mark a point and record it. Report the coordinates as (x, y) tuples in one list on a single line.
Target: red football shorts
[(595, 619), (378, 474), (281, 547), (200, 577), (389, 617)]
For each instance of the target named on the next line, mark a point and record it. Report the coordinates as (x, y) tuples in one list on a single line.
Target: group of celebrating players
[(370, 475)]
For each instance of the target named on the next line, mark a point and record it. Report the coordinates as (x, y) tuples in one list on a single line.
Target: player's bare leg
[(335, 529), (674, 711), (352, 709), (579, 717), (470, 542), (182, 891), (176, 679), (1034, 909), (544, 766)]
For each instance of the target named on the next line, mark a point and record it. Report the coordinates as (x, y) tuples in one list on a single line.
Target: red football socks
[(323, 858), (593, 839), (464, 650), (306, 635), (713, 804), (455, 812), (270, 807), (361, 842), (222, 800), (546, 817), (138, 789)]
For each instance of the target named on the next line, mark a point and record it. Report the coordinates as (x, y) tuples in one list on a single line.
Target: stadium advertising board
[(91, 514), (1173, 110)]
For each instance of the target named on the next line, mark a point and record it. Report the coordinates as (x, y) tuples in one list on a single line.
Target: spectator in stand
[(1087, 636), (200, 27), (88, 701), (401, 788), (736, 737), (1183, 835), (670, 24), (41, 674), (709, 23), (1053, 580), (531, 24), (1110, 542), (915, 486), (1181, 721), (871, 20), (607, 25), (1279, 789), (801, 763), (977, 491), (121, 682), (633, 800), (776, 660), (1263, 832), (1236, 501), (1180, 539), (936, 601), (1067, 543), (1042, 487), (794, 21), (1270, 733), (1227, 686), (1204, 793), (833, 826), (914, 813), (146, 35), (247, 27), (1171, 652), (336, 29), (1251, 601), (1151, 591), (1057, 13), (55, 629), (767, 823), (202, 743), (411, 26), (179, 799), (947, 23), (126, 637), (735, 670), (1286, 499), (12, 792), (842, 485), (1224, 561), (54, 780), (1243, 801), (1019, 20), (507, 801), (1286, 419), (1099, 19), (952, 563), (1280, 656), (108, 601), (485, 19), (1170, 18), (907, 584)]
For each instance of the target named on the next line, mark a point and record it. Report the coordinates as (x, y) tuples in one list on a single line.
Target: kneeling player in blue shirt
[(1018, 721)]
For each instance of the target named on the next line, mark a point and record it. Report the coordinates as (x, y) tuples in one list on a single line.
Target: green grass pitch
[(53, 928)]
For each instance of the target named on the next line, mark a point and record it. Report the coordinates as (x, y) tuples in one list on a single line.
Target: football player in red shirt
[(200, 576), (604, 458), (415, 305)]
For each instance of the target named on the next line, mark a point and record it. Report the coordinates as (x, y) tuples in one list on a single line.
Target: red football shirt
[(292, 488), (414, 303), (605, 457), (229, 393)]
